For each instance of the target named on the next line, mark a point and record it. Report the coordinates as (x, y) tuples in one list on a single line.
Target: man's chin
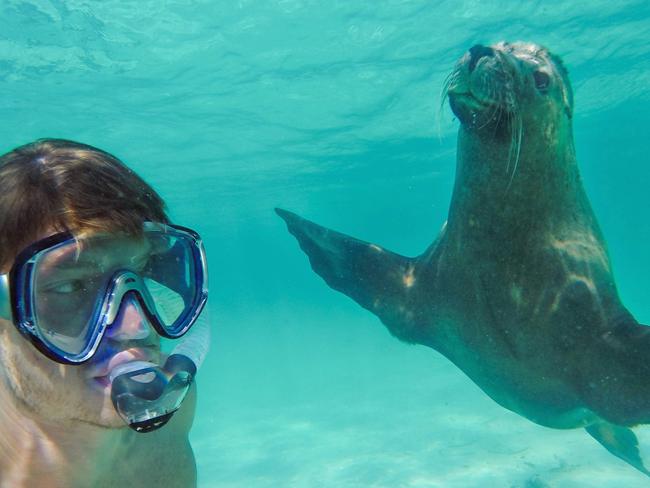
[(99, 409), (107, 419)]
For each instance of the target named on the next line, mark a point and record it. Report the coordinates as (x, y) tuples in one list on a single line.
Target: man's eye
[(66, 287)]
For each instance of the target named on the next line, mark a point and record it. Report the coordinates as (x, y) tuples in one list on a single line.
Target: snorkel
[(146, 395)]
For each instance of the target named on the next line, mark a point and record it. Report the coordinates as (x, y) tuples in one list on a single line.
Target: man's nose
[(131, 322)]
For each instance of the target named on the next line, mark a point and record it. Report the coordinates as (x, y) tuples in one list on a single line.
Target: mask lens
[(171, 278), (66, 285)]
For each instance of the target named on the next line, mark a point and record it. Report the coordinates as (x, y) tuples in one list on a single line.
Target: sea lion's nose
[(477, 52)]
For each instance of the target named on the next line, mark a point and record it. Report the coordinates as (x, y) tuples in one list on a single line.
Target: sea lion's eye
[(542, 80)]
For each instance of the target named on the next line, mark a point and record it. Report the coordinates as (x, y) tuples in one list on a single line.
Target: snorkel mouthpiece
[(146, 395)]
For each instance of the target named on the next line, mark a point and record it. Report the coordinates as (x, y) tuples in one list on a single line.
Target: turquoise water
[(330, 109)]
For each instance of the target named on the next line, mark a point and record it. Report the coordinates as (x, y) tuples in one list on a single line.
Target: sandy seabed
[(330, 408)]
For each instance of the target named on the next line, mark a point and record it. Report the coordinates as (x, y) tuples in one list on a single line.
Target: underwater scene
[(338, 111)]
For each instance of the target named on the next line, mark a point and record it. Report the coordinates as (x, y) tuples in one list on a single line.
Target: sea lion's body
[(518, 289)]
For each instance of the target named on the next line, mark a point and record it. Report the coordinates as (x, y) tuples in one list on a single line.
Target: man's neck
[(37, 452)]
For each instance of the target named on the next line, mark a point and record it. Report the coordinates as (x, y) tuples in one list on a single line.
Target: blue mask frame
[(16, 296)]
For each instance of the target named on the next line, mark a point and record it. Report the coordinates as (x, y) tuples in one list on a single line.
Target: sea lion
[(517, 290)]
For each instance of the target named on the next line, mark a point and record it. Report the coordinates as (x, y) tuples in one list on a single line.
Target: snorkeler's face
[(60, 392)]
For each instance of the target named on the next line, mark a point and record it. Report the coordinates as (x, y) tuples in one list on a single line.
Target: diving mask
[(64, 292)]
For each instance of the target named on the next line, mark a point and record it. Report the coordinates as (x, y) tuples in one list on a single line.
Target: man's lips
[(101, 370)]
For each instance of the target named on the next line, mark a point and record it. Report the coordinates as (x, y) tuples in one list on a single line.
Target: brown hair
[(65, 185)]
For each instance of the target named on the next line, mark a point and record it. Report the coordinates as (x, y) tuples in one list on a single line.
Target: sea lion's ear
[(567, 98), (568, 111), (567, 92)]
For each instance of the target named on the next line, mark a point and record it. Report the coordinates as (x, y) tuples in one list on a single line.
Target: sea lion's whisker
[(520, 130), (492, 96), (500, 117), (449, 79), (511, 146), (493, 111)]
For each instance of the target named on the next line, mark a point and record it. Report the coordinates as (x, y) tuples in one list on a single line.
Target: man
[(85, 251)]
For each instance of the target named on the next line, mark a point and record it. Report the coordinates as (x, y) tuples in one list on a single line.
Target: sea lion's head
[(503, 88)]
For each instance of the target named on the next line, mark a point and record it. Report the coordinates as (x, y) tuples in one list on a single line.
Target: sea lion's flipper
[(620, 441), (378, 280)]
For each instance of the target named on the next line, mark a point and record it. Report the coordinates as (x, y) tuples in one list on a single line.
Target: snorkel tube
[(146, 395)]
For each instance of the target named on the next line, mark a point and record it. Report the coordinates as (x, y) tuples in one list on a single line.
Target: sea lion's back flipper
[(620, 441), (378, 280)]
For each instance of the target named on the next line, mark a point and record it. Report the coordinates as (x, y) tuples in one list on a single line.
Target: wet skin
[(58, 427)]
